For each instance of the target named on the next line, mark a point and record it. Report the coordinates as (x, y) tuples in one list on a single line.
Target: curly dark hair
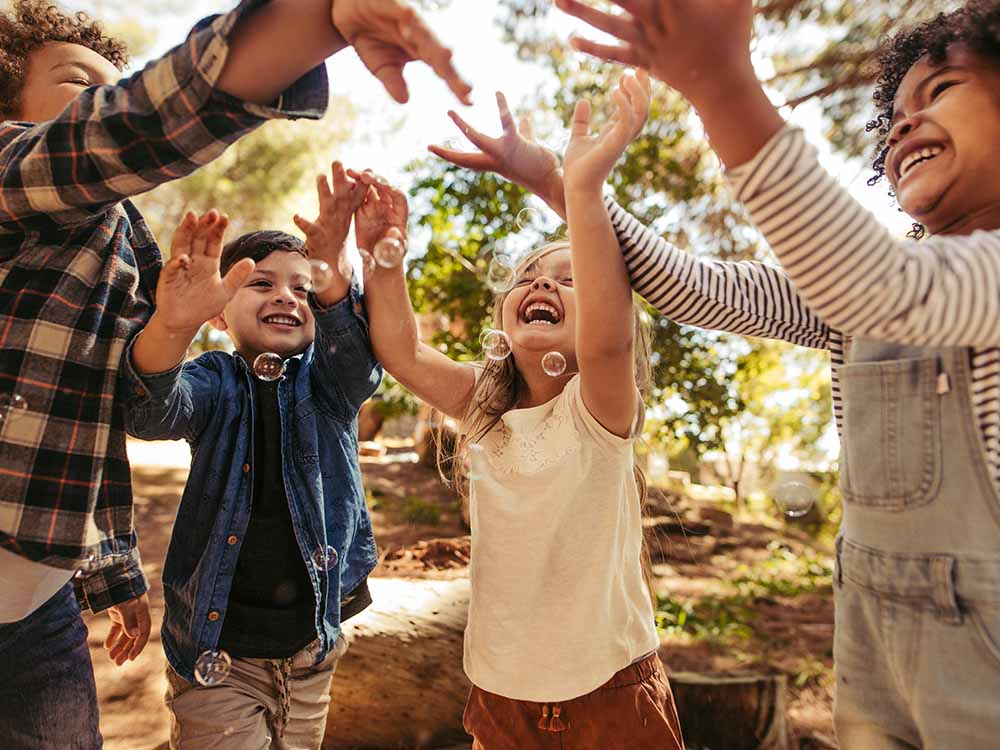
[(32, 23), (976, 25), (258, 245)]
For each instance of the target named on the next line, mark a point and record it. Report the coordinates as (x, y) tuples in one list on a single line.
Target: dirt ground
[(418, 527)]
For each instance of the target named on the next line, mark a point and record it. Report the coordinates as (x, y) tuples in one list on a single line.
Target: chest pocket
[(891, 450)]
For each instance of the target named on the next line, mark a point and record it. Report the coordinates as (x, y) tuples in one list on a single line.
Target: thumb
[(237, 275), (581, 119)]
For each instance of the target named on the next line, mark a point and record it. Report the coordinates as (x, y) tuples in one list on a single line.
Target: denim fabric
[(917, 587), (48, 700), (210, 403)]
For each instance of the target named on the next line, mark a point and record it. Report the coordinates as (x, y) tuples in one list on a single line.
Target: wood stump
[(401, 683), (741, 712)]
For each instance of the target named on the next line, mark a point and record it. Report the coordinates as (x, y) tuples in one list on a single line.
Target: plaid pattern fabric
[(78, 269)]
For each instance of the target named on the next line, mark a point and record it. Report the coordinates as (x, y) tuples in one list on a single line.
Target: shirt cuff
[(209, 41), (143, 389), (745, 179), (340, 316), (119, 582)]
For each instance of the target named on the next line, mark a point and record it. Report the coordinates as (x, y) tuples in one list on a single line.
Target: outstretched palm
[(191, 290), (385, 209), (515, 155), (590, 158)]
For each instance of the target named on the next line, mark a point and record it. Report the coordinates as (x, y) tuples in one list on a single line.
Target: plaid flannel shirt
[(78, 270)]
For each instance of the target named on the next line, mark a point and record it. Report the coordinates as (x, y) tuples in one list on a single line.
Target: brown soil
[(418, 527)]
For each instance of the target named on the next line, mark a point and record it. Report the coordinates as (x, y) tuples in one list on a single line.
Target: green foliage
[(393, 400), (418, 510)]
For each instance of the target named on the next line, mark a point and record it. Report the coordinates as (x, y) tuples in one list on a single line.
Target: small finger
[(624, 54), (479, 140), (506, 119), (624, 27), (477, 161)]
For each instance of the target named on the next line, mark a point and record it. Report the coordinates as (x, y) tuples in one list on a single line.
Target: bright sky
[(388, 135)]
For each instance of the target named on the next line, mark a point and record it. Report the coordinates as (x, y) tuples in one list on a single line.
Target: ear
[(219, 322)]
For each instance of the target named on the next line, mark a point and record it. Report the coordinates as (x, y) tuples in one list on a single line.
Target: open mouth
[(284, 321), (541, 314), (918, 158)]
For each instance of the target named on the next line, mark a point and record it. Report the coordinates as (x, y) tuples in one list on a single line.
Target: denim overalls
[(917, 587)]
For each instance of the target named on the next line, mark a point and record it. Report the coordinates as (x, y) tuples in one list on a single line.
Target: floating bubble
[(325, 558), (389, 252), (496, 344), (269, 366), (367, 262), (554, 364), (322, 275), (12, 405), (527, 217), (795, 499), (212, 667), (500, 276)]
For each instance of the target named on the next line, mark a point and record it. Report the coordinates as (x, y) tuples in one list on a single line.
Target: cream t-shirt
[(558, 600)]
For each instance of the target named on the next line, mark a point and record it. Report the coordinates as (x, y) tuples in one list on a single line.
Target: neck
[(985, 218), (539, 387)]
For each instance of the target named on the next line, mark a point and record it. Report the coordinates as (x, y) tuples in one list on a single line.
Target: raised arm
[(856, 277), (190, 292), (605, 328), (429, 374)]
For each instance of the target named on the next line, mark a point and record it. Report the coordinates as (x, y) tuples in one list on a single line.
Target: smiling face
[(270, 312), (57, 73), (539, 313), (946, 129)]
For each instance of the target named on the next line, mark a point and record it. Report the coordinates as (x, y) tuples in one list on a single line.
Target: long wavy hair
[(501, 388)]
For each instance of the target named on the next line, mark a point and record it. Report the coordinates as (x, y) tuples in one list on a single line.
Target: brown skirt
[(634, 710)]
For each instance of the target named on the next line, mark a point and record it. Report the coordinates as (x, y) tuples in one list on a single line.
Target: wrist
[(159, 326)]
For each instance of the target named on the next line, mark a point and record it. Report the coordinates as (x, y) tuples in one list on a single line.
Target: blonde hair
[(499, 388)]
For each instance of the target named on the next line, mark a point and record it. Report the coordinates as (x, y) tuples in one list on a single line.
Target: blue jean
[(48, 699)]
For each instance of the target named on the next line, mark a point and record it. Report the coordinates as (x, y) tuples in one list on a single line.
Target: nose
[(283, 296), (543, 282), (900, 130)]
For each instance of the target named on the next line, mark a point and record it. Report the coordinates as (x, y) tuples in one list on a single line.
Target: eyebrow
[(299, 277), (938, 72), (92, 72)]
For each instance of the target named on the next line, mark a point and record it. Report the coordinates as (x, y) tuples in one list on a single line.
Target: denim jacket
[(210, 403)]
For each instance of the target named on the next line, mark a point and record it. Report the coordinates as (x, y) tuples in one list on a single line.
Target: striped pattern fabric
[(843, 275), (78, 269)]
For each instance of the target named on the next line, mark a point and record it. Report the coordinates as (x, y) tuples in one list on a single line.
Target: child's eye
[(941, 87), (261, 283), (522, 282), (79, 81), (301, 290), (567, 280)]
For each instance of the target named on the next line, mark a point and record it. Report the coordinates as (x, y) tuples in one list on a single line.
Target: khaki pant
[(264, 704)]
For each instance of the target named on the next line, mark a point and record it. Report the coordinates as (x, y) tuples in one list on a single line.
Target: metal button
[(246, 468), (213, 616), (232, 540)]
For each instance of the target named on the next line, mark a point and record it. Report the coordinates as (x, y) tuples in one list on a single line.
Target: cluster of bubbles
[(212, 667), (12, 405), (794, 499), (269, 366)]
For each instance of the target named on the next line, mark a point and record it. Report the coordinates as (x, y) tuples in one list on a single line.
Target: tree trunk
[(745, 712), (401, 683)]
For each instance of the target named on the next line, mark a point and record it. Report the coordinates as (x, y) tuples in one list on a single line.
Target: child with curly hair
[(913, 329), (78, 270)]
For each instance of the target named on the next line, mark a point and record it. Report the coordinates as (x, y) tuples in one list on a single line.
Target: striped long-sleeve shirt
[(78, 269), (844, 275)]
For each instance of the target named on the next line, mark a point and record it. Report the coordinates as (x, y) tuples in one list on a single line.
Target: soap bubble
[(389, 252), (269, 366), (496, 344), (795, 499), (554, 364), (212, 667)]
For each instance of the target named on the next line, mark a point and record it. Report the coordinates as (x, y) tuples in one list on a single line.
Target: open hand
[(326, 237), (191, 291), (590, 158), (693, 46), (514, 155), (384, 213), (130, 626), (389, 34)]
